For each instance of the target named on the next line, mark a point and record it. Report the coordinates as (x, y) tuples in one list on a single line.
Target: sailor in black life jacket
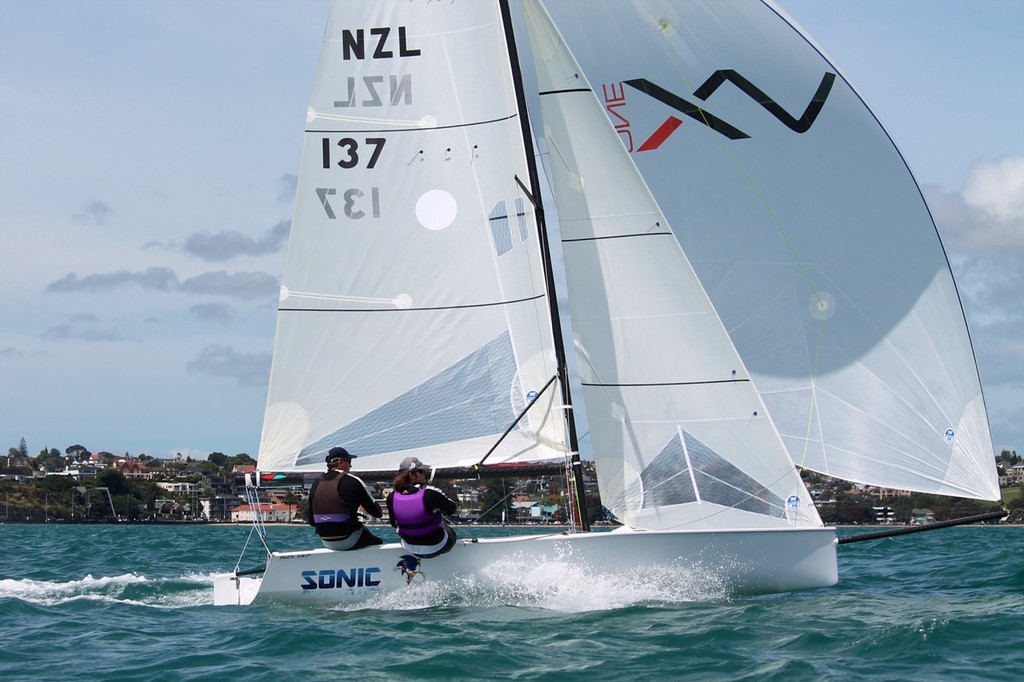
[(334, 502), (416, 509)]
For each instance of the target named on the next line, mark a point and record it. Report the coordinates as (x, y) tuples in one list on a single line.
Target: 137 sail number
[(347, 155), (355, 205)]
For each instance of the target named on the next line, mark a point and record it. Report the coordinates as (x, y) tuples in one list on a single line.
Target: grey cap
[(410, 463)]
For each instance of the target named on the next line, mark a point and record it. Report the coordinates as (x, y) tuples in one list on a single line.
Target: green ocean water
[(135, 603)]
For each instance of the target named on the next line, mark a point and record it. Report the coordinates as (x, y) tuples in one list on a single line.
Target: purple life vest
[(412, 515)]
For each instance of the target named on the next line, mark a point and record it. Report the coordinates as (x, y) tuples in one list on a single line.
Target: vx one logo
[(615, 98)]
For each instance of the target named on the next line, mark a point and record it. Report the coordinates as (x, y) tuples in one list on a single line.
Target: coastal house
[(179, 487), (531, 511), (887, 493), (219, 507), (132, 468), (544, 513), (884, 515), (471, 515), (15, 459), (1014, 476), (519, 511), (272, 513), (920, 517), (79, 471)]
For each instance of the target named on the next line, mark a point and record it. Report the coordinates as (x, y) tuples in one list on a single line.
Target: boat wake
[(555, 585), (129, 588)]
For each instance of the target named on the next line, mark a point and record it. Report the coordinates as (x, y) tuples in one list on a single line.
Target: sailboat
[(751, 277)]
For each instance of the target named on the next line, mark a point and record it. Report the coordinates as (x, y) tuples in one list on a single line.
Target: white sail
[(415, 321), (413, 316), (680, 436), (806, 229)]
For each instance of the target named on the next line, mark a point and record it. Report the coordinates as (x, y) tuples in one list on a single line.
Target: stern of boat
[(234, 590)]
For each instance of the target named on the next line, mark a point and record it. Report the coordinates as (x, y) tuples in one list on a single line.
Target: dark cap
[(338, 453)]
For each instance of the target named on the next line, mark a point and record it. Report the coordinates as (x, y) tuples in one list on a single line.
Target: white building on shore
[(272, 513)]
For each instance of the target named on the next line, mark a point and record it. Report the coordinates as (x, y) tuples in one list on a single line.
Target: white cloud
[(244, 285), (247, 369), (213, 312), (159, 278), (225, 245), (987, 215), (84, 327), (998, 189), (95, 211), (982, 227)]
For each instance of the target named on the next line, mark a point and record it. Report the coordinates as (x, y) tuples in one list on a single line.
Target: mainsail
[(681, 438), (414, 316), (806, 229)]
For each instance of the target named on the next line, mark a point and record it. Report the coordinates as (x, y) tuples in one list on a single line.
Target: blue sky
[(148, 153)]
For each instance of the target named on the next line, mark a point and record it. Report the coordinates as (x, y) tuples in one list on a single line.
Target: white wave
[(49, 592), (143, 591), (555, 585)]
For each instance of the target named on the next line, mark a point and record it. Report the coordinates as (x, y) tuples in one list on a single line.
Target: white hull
[(737, 562)]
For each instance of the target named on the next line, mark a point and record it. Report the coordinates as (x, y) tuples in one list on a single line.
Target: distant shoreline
[(303, 524)]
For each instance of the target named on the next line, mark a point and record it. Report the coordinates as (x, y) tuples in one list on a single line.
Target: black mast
[(556, 326)]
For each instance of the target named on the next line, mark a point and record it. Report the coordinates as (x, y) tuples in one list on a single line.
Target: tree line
[(110, 494)]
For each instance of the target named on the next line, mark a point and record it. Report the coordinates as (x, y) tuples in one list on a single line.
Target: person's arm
[(435, 499), (309, 515), (391, 509), (370, 504)]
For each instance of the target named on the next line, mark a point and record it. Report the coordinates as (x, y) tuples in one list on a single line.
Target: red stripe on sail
[(661, 134)]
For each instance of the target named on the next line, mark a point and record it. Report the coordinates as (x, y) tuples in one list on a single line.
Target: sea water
[(134, 602)]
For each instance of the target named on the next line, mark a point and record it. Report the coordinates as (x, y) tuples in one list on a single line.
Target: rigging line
[(573, 508), (563, 91), (545, 248), (812, 409), (245, 546), (411, 129), (516, 421), (616, 236), (667, 383), (253, 498), (416, 310), (663, 25), (527, 192), (488, 510)]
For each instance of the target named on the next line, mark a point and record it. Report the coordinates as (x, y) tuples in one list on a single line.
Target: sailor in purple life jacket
[(416, 510), (334, 502)]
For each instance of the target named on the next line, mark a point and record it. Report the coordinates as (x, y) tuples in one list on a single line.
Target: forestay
[(413, 316), (806, 229)]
